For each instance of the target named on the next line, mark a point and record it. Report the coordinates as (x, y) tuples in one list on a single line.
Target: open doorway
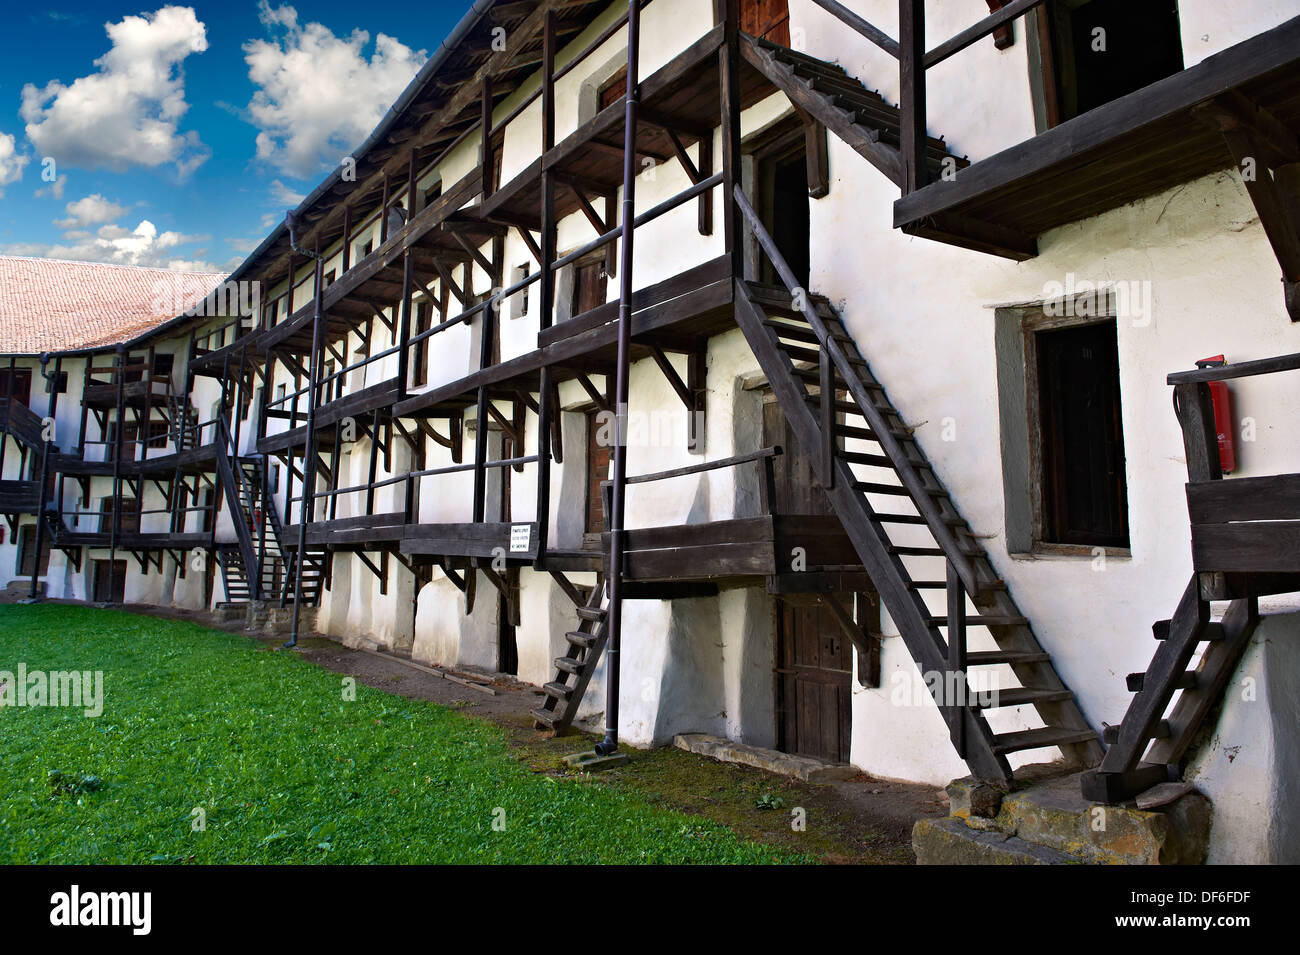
[(1084, 53), (780, 190)]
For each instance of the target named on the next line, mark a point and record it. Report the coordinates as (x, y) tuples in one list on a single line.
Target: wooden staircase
[(1147, 747), (23, 423), (859, 116), (931, 571), (573, 670), (259, 558)]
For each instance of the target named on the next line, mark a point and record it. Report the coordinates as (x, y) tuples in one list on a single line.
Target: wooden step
[(591, 613), (1110, 734), (546, 717), (1137, 681), (986, 658), (1023, 695), (1005, 743), (870, 487), (580, 639), (986, 620), (862, 457), (561, 691), (569, 665), (915, 519), (1211, 633)]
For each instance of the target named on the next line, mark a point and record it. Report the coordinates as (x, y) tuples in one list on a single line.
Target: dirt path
[(862, 820)]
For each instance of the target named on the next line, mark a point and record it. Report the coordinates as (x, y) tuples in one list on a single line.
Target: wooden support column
[(548, 237), (729, 67), (485, 123), (912, 107)]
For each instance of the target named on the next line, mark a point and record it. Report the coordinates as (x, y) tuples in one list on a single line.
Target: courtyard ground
[(283, 768)]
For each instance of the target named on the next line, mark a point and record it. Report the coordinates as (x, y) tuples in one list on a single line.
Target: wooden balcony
[(1135, 146)]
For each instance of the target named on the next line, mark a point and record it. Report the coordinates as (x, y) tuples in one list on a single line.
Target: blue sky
[(176, 135)]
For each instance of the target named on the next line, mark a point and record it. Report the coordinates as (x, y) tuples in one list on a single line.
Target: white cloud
[(318, 95), (284, 196), (54, 190), (128, 113), (11, 162), (111, 243), (92, 210)]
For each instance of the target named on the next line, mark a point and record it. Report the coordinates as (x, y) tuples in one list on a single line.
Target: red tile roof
[(56, 305)]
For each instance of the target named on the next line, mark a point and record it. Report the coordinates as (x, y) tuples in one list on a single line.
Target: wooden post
[(729, 67), (485, 122), (911, 74), (826, 399), (1200, 435), (956, 595), (549, 239), (404, 328), (52, 386)]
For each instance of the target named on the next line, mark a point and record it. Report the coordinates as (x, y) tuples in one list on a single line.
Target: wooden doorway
[(109, 585), (797, 488), (814, 658), (766, 19), (814, 691), (599, 454), (781, 192)]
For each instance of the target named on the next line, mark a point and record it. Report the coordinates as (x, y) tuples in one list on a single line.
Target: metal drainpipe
[(610, 743), (52, 384), (309, 444)]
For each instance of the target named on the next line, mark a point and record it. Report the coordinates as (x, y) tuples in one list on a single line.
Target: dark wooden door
[(797, 488), (598, 458), (769, 19), (814, 683), (589, 282), (110, 582)]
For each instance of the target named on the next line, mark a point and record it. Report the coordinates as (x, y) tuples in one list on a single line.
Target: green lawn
[(284, 769)]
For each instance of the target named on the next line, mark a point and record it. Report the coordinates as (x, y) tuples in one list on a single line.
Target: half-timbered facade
[(892, 296)]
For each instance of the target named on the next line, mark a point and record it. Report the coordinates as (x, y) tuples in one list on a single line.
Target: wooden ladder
[(904, 526), (573, 670), (1146, 747)]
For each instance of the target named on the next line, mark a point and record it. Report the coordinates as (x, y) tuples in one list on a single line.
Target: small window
[(612, 90), (1083, 492), (420, 357), (519, 301), (590, 284)]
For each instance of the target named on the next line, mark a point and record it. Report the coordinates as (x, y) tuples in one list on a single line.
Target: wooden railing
[(1245, 531), (913, 62)]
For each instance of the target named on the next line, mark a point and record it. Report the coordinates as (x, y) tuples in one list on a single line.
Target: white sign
[(520, 534)]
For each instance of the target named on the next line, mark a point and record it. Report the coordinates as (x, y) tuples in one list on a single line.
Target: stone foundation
[(1050, 823)]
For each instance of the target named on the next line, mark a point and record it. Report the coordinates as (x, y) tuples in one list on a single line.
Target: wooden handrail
[(912, 482), (847, 16), (977, 32), (706, 466), (1239, 369)]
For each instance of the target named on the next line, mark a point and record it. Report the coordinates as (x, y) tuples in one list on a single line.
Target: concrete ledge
[(950, 842), (807, 768)]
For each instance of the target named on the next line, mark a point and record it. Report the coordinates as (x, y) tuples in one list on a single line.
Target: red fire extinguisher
[(1223, 422)]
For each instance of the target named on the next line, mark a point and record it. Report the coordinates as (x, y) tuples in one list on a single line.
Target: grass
[(264, 749)]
